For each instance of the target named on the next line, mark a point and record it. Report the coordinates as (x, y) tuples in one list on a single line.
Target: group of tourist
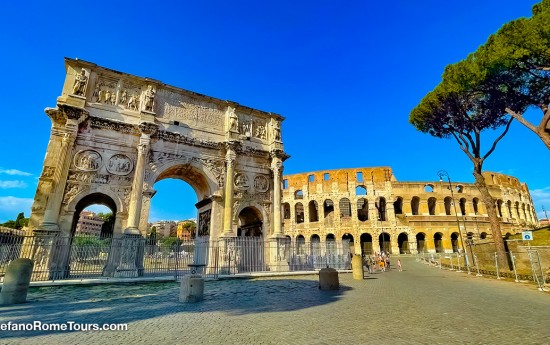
[(379, 262)]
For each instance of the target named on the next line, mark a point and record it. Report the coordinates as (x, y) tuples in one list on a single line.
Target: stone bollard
[(192, 289), (16, 282), (328, 279), (357, 267)]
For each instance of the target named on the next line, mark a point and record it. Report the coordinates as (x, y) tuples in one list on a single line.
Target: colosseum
[(375, 212)]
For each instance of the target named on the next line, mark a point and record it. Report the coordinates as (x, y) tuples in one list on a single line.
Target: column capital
[(232, 146), (278, 155), (148, 128), (73, 113)]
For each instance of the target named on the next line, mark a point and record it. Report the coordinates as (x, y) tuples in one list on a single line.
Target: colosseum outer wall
[(374, 211)]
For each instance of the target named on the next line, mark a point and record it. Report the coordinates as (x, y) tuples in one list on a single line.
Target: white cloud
[(541, 198), (10, 206), (12, 184), (14, 172)]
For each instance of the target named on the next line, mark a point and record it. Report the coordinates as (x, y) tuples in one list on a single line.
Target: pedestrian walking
[(399, 265)]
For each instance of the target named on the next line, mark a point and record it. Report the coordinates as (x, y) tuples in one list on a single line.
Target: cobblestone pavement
[(421, 305)]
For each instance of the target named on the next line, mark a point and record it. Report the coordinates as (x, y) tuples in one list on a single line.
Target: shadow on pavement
[(132, 302)]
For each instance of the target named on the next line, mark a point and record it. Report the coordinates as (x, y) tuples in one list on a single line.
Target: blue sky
[(345, 74)]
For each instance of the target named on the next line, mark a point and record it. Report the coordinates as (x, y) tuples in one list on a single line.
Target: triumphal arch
[(114, 135)]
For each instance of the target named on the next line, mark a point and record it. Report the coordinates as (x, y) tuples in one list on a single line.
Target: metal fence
[(524, 264), (80, 257)]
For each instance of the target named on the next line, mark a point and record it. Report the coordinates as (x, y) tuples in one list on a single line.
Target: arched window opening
[(454, 242), (475, 205), (448, 202), (300, 245), (345, 208), (328, 208), (438, 242), (421, 242), (463, 206), (298, 194), (403, 243), (415, 202), (286, 210), (362, 209), (299, 212), (360, 190), (313, 211), (429, 188), (499, 207), (431, 206), (381, 207), (398, 205)]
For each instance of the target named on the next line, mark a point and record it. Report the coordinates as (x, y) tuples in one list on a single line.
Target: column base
[(281, 235), (132, 231), (131, 255), (47, 228)]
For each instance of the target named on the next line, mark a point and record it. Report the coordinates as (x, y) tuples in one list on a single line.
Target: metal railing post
[(496, 265), (514, 266), (458, 264), (477, 266)]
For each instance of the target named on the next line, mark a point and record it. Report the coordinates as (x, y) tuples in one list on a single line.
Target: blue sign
[(527, 235)]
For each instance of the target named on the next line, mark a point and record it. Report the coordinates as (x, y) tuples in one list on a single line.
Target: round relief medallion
[(241, 181), (88, 160), (120, 165), (261, 184)]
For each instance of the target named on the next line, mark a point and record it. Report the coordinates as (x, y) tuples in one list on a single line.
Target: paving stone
[(421, 305)]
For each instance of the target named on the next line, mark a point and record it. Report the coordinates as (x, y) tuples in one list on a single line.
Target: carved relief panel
[(120, 164), (88, 160), (204, 223), (105, 91), (129, 96)]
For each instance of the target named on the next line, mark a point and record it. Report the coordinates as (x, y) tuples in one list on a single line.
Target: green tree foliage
[(9, 224), (152, 237), (512, 69), (108, 223), (487, 90), (190, 226), (18, 223), (173, 243)]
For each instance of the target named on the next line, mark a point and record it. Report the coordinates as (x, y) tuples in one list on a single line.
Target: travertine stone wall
[(404, 220)]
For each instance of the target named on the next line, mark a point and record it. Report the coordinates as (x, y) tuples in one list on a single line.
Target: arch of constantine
[(369, 207), (115, 135)]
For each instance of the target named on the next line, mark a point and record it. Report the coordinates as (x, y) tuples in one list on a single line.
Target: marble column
[(72, 117), (129, 250), (136, 198), (228, 193), (276, 167)]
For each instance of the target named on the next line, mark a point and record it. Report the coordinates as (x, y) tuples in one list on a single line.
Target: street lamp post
[(441, 174)]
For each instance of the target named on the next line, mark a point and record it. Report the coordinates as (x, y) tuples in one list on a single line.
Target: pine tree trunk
[(489, 202)]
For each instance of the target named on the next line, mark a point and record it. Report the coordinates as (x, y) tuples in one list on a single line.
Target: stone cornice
[(121, 127), (178, 138)]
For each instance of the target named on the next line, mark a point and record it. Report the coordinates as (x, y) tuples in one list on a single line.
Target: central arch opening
[(176, 210)]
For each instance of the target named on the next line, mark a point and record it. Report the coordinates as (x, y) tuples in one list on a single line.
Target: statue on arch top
[(80, 83), (149, 103)]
